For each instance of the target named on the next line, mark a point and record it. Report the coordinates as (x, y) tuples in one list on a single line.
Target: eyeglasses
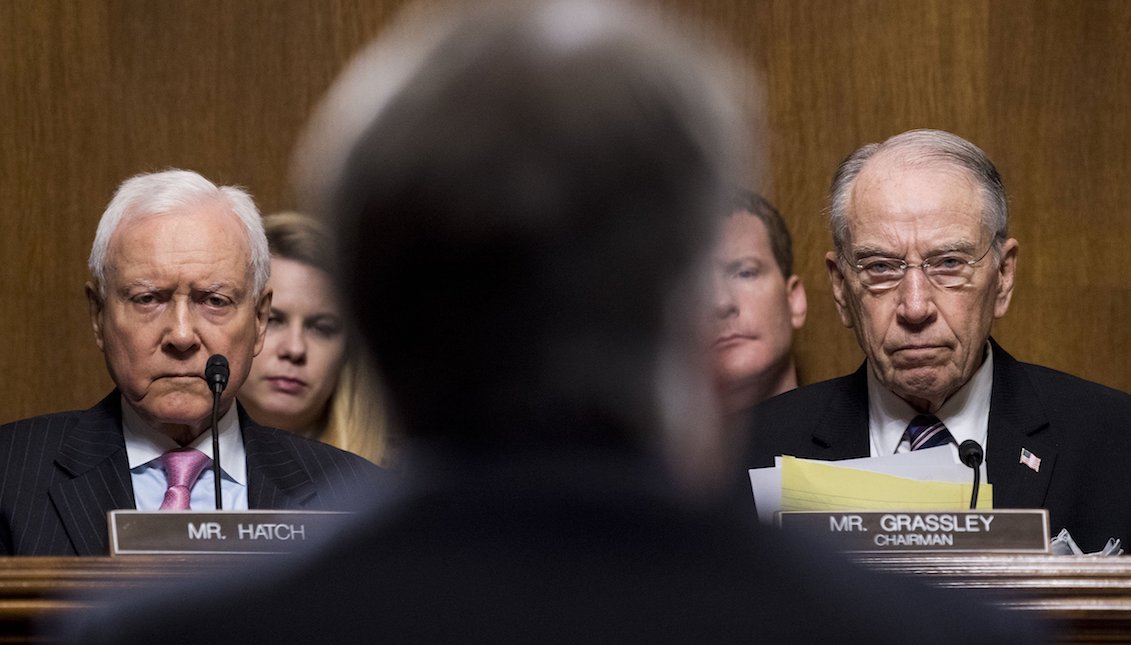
[(949, 270)]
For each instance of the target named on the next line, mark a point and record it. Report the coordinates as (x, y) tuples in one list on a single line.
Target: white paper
[(766, 484)]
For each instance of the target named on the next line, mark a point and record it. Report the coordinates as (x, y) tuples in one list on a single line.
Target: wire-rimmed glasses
[(949, 270)]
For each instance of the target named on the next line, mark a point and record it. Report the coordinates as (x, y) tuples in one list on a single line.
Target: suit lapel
[(1017, 421), (843, 431), (276, 479), (93, 456)]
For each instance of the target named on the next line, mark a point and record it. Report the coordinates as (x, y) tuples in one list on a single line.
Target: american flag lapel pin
[(1031, 460)]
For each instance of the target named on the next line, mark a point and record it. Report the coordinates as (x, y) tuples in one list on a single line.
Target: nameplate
[(218, 532), (889, 531)]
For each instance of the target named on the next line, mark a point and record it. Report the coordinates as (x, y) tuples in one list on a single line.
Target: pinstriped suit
[(60, 474)]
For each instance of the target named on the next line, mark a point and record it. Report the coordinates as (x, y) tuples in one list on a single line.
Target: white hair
[(174, 191), (925, 146)]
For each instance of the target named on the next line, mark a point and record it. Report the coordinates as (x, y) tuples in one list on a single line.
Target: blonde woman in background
[(311, 378)]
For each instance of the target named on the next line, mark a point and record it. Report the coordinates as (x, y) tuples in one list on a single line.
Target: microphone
[(971, 454), (216, 373), (216, 376)]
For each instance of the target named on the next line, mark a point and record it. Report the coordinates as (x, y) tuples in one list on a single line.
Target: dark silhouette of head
[(523, 205)]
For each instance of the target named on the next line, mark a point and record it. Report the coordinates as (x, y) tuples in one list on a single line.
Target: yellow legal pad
[(809, 485)]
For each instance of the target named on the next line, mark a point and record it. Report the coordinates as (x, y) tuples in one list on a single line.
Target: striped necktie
[(926, 431)]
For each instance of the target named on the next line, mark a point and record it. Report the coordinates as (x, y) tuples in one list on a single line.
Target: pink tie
[(182, 467)]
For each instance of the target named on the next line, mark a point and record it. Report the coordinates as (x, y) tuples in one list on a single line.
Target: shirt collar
[(965, 413), (144, 443)]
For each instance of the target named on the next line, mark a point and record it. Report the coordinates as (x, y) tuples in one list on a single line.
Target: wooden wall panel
[(1061, 108), (54, 153), (93, 91)]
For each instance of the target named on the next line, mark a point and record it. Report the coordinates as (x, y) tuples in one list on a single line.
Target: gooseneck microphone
[(971, 454), (216, 376)]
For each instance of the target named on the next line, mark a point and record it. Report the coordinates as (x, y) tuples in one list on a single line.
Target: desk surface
[(1089, 597), (35, 588)]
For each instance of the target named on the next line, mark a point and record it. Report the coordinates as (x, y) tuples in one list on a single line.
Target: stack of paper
[(922, 480)]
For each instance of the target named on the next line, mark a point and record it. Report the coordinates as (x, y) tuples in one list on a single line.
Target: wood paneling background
[(94, 91)]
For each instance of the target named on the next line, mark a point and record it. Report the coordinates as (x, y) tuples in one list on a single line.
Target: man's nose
[(181, 335), (916, 297), (725, 304)]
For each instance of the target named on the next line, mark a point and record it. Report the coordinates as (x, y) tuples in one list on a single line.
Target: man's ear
[(798, 301), (95, 306), (1007, 269), (262, 313), (840, 297)]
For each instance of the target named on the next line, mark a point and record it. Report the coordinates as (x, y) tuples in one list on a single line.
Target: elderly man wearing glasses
[(922, 266)]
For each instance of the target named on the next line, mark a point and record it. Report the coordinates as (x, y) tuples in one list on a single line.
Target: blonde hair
[(354, 419)]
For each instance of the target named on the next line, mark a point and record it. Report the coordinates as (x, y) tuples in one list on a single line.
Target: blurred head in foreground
[(524, 198), (758, 303), (310, 378)]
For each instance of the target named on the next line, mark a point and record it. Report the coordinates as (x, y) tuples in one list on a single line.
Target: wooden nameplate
[(218, 532), (1013, 531)]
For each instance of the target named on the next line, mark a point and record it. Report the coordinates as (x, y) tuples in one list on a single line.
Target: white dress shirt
[(966, 413), (145, 445)]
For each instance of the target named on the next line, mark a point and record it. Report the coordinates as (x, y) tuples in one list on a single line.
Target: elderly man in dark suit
[(178, 273), (922, 265), (525, 197)]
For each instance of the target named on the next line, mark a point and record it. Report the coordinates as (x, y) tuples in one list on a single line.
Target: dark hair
[(519, 214), (781, 243)]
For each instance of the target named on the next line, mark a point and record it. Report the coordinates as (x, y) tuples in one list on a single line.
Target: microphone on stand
[(216, 376), (971, 454)]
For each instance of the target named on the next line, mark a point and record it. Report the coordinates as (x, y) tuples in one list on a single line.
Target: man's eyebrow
[(733, 263), (235, 291), (127, 287), (872, 251), (961, 246), (216, 286)]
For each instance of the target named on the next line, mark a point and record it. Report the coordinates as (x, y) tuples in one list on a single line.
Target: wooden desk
[(32, 589), (1089, 597)]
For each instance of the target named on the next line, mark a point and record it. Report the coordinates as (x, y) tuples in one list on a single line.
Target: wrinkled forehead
[(902, 202), (208, 235)]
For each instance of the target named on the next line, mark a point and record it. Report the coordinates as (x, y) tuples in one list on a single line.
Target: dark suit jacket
[(60, 474), (1080, 430), (565, 546)]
